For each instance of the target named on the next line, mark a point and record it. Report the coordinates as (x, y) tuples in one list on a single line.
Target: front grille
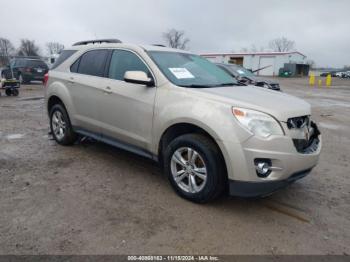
[(298, 122), (310, 144)]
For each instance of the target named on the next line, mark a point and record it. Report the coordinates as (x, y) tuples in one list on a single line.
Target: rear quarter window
[(65, 54)]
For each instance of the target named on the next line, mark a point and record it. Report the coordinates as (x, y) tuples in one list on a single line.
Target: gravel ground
[(95, 199)]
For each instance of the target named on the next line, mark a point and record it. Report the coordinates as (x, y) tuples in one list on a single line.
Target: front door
[(126, 109)]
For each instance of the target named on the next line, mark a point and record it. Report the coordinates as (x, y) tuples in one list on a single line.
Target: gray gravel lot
[(95, 199)]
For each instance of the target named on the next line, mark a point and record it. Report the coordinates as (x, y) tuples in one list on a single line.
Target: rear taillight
[(46, 79)]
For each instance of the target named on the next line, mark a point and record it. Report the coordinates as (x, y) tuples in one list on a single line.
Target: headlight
[(260, 124)]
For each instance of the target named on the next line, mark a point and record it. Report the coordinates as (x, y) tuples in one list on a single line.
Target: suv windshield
[(190, 70)]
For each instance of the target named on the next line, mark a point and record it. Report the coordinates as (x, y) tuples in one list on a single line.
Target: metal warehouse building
[(273, 61)]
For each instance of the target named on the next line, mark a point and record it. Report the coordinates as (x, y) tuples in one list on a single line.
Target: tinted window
[(35, 63), (63, 57), (19, 63), (93, 63), (74, 67), (123, 61)]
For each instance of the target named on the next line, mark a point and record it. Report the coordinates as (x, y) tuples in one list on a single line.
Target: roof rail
[(98, 41), (28, 57), (160, 45)]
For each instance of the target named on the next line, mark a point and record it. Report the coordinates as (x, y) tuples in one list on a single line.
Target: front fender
[(176, 105)]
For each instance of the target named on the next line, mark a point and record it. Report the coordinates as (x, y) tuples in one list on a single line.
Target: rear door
[(126, 109), (85, 85)]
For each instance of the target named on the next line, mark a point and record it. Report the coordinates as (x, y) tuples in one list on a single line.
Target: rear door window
[(93, 63), (123, 61)]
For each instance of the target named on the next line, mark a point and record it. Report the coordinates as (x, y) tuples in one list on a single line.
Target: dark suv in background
[(26, 69)]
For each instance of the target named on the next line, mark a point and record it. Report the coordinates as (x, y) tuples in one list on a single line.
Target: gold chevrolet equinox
[(209, 133)]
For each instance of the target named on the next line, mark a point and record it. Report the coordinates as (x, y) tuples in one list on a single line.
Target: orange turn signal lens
[(238, 112)]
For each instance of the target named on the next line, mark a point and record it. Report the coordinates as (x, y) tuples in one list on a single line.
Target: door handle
[(107, 90)]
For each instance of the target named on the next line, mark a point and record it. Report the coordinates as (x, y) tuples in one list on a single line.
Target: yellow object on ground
[(312, 79), (320, 83), (329, 80)]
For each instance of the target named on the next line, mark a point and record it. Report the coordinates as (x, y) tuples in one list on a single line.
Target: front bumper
[(288, 164), (265, 188)]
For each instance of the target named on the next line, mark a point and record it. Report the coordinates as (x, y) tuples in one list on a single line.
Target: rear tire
[(61, 127), (195, 168)]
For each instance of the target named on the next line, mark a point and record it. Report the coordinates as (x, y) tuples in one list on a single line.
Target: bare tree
[(54, 48), (282, 44), (28, 48), (176, 39), (6, 51)]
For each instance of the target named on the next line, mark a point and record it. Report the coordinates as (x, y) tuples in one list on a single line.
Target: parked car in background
[(344, 74), (332, 73), (245, 76), (209, 133), (27, 69)]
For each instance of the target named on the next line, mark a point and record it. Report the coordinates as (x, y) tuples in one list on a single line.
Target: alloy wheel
[(58, 125), (188, 170)]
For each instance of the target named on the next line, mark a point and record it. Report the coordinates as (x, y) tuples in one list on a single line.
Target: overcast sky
[(321, 29)]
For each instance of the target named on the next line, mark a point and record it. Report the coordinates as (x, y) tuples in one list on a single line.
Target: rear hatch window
[(36, 63)]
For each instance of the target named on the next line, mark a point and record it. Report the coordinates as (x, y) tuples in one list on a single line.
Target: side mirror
[(138, 77)]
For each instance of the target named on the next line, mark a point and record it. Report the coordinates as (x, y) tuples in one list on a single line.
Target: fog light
[(263, 167)]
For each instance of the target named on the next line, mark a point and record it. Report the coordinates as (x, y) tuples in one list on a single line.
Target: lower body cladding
[(259, 167)]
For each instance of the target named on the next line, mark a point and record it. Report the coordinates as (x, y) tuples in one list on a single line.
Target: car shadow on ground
[(279, 202)]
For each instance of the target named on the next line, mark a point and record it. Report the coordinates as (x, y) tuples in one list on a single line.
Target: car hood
[(280, 105)]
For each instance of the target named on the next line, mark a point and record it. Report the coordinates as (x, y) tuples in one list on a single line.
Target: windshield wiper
[(197, 86), (208, 86), (229, 84)]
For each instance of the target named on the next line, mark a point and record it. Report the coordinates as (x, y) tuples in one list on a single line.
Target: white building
[(273, 61)]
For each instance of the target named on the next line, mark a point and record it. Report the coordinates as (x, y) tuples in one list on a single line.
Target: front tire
[(195, 168), (61, 127)]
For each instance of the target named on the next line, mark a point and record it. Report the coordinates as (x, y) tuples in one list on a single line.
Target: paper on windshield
[(241, 72), (181, 73)]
